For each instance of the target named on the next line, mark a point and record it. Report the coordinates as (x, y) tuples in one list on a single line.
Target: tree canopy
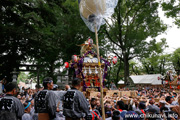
[(40, 32), (48, 32), (172, 9), (130, 26)]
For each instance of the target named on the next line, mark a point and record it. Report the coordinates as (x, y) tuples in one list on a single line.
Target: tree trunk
[(51, 69), (117, 76), (108, 77), (126, 69), (163, 71)]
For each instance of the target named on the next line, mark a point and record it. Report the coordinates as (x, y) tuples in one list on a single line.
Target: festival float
[(175, 84), (171, 81), (93, 13), (85, 67)]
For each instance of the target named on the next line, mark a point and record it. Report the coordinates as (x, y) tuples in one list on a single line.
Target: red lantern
[(166, 82), (74, 58), (178, 82), (66, 65), (90, 41), (114, 60)]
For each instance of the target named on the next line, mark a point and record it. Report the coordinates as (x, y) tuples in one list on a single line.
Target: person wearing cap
[(55, 87), (11, 104), (27, 107), (32, 112), (45, 101), (75, 105)]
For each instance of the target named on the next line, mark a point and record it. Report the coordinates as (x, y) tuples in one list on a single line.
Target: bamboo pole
[(100, 75)]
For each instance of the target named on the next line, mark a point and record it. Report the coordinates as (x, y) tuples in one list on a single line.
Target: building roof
[(145, 79)]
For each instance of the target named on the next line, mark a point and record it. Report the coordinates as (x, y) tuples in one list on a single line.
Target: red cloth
[(96, 114), (120, 110), (143, 111)]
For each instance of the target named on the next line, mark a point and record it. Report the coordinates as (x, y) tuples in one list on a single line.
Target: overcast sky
[(172, 34)]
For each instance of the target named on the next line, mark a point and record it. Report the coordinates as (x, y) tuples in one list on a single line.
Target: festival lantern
[(74, 58), (178, 82), (166, 82), (114, 60), (66, 65), (90, 42)]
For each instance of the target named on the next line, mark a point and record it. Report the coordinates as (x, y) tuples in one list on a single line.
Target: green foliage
[(42, 32), (172, 9), (115, 73), (23, 77), (132, 23), (156, 62), (135, 68), (17, 36), (47, 32), (176, 59)]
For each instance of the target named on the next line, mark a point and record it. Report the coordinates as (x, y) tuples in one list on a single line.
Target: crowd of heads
[(150, 102)]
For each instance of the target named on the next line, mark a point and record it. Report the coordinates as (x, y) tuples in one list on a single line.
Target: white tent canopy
[(151, 79)]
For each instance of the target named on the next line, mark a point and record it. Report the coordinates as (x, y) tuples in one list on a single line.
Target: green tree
[(115, 73), (176, 60), (62, 43), (135, 67), (41, 32), (156, 61), (130, 26), (172, 9), (23, 77), (18, 35)]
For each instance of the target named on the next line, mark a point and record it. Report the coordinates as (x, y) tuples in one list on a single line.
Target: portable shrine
[(85, 66)]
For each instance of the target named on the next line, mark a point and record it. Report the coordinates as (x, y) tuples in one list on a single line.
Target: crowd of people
[(47, 102)]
